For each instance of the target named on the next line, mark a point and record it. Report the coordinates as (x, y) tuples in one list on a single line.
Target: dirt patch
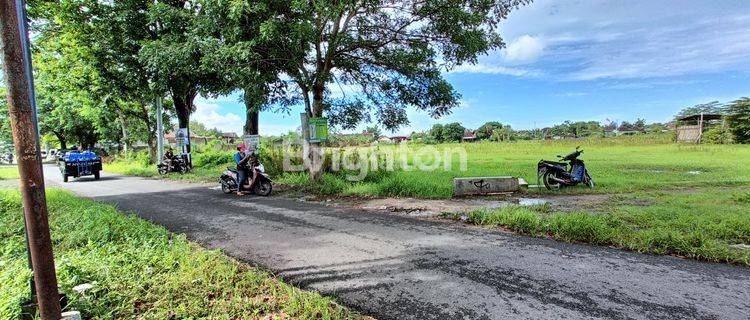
[(429, 208)]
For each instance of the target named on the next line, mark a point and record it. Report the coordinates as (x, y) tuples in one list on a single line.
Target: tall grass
[(139, 270), (700, 226)]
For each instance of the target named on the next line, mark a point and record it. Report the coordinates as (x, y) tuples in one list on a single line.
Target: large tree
[(364, 58), (174, 55), (486, 130), (108, 38), (237, 45), (69, 88), (738, 119)]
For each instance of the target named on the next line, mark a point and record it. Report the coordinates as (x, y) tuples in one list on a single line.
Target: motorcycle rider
[(241, 159), (169, 158)]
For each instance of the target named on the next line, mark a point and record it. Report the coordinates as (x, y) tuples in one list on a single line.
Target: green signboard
[(318, 129)]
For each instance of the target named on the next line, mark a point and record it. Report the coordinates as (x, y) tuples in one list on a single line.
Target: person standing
[(240, 159)]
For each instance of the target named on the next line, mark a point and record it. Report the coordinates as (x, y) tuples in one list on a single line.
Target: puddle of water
[(532, 201)]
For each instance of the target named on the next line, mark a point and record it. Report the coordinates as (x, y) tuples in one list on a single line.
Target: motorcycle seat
[(232, 169), (556, 163)]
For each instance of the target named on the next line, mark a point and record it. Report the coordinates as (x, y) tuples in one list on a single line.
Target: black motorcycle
[(556, 174), (262, 187), (179, 164)]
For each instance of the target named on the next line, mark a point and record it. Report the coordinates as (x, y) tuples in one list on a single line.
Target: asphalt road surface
[(395, 267)]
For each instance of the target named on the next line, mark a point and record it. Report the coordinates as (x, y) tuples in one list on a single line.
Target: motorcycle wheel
[(589, 181), (225, 188), (549, 183), (263, 188), (162, 170), (183, 169)]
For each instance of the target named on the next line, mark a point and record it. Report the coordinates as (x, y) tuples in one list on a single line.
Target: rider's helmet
[(241, 147)]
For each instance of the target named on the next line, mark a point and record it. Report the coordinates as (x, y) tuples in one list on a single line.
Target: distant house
[(229, 137), (690, 128), (469, 136), (622, 131), (368, 134), (625, 131), (194, 139), (397, 139)]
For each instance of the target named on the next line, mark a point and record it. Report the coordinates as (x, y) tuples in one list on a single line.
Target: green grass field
[(141, 271), (617, 165)]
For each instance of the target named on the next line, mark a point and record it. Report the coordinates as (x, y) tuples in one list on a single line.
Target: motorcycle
[(179, 164), (556, 174), (262, 187)]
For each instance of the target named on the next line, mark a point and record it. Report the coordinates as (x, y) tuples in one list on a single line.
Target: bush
[(212, 158), (717, 135)]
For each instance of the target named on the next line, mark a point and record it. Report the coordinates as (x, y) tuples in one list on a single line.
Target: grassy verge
[(700, 226), (139, 270), (207, 173), (618, 165), (8, 172)]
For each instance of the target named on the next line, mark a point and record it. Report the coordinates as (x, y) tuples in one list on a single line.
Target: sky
[(580, 60)]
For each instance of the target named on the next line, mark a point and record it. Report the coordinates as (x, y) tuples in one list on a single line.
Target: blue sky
[(581, 60)]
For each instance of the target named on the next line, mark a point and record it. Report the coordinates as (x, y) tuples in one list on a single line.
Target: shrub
[(212, 158), (717, 135)]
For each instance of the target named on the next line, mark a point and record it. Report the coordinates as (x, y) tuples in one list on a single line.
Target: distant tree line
[(496, 131)]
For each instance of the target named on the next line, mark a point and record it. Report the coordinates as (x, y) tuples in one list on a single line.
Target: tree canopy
[(738, 118)]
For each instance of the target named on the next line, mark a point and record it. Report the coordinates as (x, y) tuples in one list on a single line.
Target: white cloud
[(490, 68), (637, 39), (524, 49), (209, 114)]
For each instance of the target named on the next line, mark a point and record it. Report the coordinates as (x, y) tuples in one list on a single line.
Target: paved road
[(395, 267)]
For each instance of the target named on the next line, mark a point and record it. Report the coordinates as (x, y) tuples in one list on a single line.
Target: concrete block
[(484, 185), (71, 315)]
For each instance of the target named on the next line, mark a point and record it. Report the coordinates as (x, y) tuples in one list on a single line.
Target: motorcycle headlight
[(261, 168)]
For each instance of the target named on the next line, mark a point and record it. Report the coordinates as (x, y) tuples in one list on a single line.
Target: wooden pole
[(22, 109)]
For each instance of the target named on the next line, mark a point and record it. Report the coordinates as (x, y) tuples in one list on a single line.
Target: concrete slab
[(484, 185)]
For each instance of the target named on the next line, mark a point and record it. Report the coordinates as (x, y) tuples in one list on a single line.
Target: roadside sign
[(318, 129), (181, 137), (252, 140)]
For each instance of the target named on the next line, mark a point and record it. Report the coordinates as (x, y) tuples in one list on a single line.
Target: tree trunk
[(315, 154), (61, 139), (183, 105), (151, 148), (123, 127), (151, 133), (251, 123), (253, 103)]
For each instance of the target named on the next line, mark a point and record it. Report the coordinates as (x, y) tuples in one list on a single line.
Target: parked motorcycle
[(557, 174), (263, 186), (179, 164)]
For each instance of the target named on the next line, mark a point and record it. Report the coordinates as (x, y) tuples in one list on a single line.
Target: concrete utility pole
[(159, 129), (22, 109)]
